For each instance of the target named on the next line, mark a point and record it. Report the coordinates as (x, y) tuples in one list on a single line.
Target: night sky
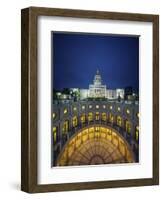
[(76, 57)]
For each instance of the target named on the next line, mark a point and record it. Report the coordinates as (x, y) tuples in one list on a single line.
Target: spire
[(97, 78), (97, 72)]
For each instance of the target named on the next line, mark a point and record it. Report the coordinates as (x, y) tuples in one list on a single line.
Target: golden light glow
[(137, 133), (97, 116), (128, 126), (111, 118), (74, 121), (83, 107), (75, 109), (83, 117), (119, 121), (128, 111), (65, 111), (54, 115), (65, 127), (104, 116), (54, 134), (111, 107), (90, 116), (79, 149), (138, 115)]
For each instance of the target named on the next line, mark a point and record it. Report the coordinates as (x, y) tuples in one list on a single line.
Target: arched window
[(119, 121), (137, 133), (103, 116), (90, 116), (83, 118), (97, 116), (128, 126), (65, 111), (65, 127), (54, 115), (111, 118), (54, 134), (74, 121)]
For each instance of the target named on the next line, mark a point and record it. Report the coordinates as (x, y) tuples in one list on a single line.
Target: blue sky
[(76, 57)]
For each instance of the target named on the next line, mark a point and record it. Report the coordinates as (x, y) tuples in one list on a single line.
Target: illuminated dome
[(95, 145)]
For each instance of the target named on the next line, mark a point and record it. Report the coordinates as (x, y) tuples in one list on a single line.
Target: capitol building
[(95, 126), (98, 90)]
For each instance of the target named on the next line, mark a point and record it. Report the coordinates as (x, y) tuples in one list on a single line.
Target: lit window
[(119, 121), (74, 121), (54, 115), (97, 116), (111, 107), (138, 115), (111, 118), (90, 106), (65, 127), (97, 106), (83, 107), (119, 109), (104, 116), (83, 118), (54, 134), (74, 108), (90, 116), (137, 133), (65, 111), (128, 127), (104, 106), (128, 111)]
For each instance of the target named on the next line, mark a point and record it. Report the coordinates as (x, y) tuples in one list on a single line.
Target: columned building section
[(118, 121), (97, 90)]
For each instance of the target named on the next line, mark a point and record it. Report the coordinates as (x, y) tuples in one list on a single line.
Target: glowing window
[(104, 106), (128, 111), (65, 127), (90, 106), (90, 116), (119, 109), (128, 126), (111, 118), (83, 107), (74, 121), (54, 115), (54, 134), (137, 133), (83, 118), (104, 116), (97, 116), (119, 121), (97, 106), (65, 111), (75, 109), (111, 107)]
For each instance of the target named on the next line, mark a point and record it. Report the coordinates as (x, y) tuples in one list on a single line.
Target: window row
[(119, 122), (119, 109)]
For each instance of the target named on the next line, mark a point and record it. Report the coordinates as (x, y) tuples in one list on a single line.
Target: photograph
[(90, 99), (95, 99)]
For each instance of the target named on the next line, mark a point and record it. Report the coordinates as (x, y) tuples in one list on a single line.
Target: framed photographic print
[(90, 99)]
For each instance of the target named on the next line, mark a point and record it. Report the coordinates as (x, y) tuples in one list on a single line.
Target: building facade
[(95, 126), (116, 122), (99, 90)]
